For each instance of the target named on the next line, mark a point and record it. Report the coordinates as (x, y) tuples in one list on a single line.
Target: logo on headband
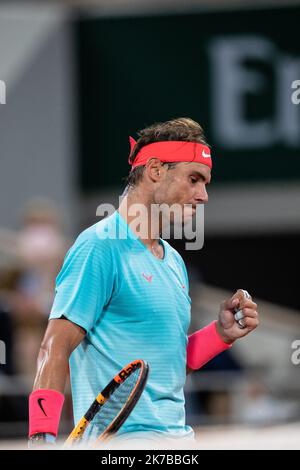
[(205, 155), (171, 151)]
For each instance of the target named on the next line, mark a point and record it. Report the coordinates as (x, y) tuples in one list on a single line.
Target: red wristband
[(204, 345), (45, 408)]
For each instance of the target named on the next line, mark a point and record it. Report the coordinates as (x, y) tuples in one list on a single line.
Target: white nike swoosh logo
[(205, 155)]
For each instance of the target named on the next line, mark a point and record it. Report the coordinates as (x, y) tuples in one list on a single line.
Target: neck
[(135, 208)]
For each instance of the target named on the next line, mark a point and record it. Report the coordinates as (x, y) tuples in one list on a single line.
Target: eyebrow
[(200, 175)]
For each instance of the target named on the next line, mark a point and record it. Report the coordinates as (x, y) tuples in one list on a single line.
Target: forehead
[(190, 167)]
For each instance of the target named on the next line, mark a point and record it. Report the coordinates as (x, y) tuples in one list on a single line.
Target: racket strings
[(116, 402)]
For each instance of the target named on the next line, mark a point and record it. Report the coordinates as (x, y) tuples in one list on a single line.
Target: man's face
[(183, 185)]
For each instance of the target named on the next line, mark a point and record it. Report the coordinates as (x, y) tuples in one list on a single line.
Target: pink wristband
[(44, 411), (204, 345)]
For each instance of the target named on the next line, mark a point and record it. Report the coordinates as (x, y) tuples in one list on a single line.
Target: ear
[(154, 169)]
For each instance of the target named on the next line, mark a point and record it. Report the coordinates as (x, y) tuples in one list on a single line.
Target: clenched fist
[(231, 329)]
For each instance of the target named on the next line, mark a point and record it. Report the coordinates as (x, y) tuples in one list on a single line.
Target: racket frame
[(103, 397)]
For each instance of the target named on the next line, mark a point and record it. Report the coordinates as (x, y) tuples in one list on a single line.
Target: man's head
[(170, 182)]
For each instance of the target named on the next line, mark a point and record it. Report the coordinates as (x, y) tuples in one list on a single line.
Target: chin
[(187, 220)]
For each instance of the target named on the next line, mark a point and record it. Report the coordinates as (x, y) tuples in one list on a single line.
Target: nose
[(201, 196)]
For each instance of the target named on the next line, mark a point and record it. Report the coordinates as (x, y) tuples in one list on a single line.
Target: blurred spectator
[(260, 408), (42, 247), (10, 269), (27, 284)]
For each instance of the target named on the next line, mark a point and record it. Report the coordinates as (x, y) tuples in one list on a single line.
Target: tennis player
[(127, 297)]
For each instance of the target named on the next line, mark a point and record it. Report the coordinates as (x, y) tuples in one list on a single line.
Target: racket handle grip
[(41, 439)]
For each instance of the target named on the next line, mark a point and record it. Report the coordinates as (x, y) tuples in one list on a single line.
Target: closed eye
[(193, 180)]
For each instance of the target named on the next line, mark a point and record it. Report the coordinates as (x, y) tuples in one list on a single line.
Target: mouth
[(189, 210)]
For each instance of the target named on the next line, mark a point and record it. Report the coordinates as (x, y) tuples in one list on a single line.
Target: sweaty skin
[(61, 338)]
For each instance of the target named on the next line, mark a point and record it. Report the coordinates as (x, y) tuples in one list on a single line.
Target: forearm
[(52, 369), (46, 400), (61, 338)]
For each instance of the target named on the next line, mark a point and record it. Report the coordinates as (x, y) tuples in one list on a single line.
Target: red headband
[(172, 151)]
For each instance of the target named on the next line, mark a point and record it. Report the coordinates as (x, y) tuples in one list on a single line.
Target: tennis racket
[(114, 403)]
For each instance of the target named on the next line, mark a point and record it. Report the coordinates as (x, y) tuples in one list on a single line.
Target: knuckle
[(247, 311)]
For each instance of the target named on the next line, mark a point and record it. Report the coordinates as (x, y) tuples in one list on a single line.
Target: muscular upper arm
[(61, 338), (62, 334)]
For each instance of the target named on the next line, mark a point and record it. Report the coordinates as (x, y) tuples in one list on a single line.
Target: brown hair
[(184, 129)]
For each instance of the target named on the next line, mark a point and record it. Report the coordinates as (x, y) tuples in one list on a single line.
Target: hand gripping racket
[(114, 403)]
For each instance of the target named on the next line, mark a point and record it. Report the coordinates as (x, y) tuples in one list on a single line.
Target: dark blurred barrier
[(267, 265), (6, 336), (232, 71)]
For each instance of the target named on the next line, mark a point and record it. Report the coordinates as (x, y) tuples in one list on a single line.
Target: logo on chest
[(148, 277)]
